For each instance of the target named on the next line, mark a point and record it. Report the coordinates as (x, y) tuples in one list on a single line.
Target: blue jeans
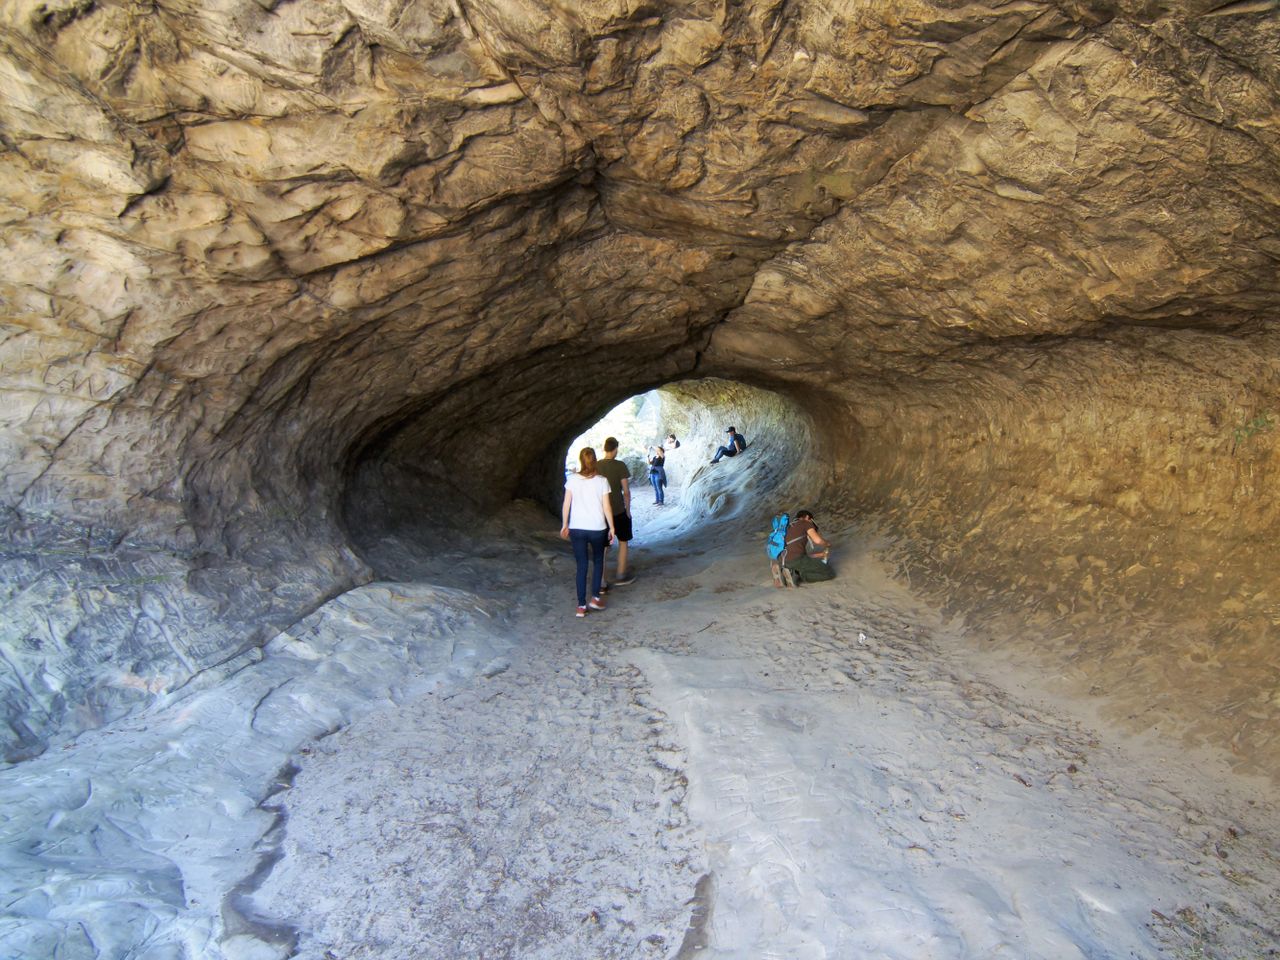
[(659, 481), (595, 541), (725, 452)]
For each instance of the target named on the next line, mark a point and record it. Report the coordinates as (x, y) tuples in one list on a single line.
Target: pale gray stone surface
[(143, 838)]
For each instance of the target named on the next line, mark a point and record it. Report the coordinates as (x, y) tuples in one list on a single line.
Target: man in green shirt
[(619, 477)]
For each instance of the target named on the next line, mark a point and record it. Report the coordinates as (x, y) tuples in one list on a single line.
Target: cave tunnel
[(401, 489), (304, 299)]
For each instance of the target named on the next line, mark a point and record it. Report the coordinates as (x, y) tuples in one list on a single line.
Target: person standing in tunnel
[(619, 477), (658, 473), (737, 443), (798, 564), (586, 521)]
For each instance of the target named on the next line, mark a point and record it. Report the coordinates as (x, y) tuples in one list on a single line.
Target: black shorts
[(622, 526)]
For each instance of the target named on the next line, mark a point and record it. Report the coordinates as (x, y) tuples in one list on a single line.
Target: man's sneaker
[(604, 588), (595, 603), (582, 611), (622, 579)]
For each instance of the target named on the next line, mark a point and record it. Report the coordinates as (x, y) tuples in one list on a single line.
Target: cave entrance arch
[(700, 494), (638, 424), (407, 494)]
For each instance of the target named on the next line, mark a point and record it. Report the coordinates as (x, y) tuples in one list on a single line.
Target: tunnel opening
[(411, 514)]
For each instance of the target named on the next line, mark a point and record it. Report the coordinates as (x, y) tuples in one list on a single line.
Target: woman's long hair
[(586, 462)]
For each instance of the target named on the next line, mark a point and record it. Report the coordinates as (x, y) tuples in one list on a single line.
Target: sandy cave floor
[(715, 768), (452, 766)]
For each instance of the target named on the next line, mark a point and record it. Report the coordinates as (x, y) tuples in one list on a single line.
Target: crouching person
[(806, 553)]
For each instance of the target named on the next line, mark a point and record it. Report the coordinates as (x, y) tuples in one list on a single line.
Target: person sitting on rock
[(671, 443), (797, 563), (737, 443)]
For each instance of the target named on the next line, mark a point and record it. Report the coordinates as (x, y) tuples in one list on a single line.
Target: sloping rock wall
[(1111, 523)]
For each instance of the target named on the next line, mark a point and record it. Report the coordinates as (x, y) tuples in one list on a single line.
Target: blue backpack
[(776, 545)]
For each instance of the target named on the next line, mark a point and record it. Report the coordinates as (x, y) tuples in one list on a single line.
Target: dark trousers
[(594, 541), (724, 452), (810, 569), (659, 482)]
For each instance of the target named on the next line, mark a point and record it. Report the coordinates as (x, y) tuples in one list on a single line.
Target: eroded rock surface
[(1017, 263)]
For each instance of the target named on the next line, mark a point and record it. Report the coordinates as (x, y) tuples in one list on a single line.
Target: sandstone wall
[(1110, 523)]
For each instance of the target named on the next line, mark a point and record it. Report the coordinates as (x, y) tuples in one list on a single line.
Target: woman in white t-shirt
[(587, 523)]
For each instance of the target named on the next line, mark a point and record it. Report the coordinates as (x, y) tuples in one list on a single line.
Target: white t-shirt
[(586, 511)]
